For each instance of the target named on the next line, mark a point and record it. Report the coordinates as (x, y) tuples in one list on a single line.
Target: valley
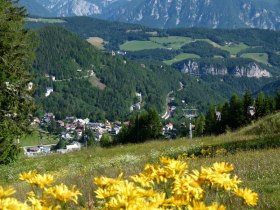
[(182, 53), (181, 112)]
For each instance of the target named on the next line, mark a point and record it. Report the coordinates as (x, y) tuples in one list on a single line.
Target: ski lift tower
[(190, 114)]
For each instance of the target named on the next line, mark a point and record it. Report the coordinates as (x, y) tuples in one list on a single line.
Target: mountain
[(75, 78), (174, 13), (35, 8)]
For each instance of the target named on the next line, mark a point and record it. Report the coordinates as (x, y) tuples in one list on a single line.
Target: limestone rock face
[(249, 70)]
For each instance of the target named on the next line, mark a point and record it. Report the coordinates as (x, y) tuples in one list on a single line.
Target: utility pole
[(190, 114)]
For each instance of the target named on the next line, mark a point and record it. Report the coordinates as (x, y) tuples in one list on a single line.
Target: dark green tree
[(61, 144), (260, 105), (106, 140), (225, 117), (277, 100), (236, 113), (16, 104), (143, 126), (88, 137), (247, 101), (210, 121), (199, 125)]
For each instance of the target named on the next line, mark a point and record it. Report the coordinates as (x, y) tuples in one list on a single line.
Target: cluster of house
[(73, 129)]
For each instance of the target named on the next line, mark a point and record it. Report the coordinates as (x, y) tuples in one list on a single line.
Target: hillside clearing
[(181, 57), (97, 42), (139, 45), (233, 48), (259, 57)]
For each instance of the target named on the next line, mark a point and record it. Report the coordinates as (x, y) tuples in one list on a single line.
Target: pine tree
[(260, 105), (210, 121), (236, 117), (200, 125), (277, 100), (247, 101), (15, 58)]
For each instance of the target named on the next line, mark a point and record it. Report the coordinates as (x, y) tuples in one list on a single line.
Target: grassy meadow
[(139, 45), (97, 42), (36, 138), (253, 150), (234, 48), (259, 57), (181, 57), (176, 42)]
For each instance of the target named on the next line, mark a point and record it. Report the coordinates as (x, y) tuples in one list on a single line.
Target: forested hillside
[(92, 84), (96, 84)]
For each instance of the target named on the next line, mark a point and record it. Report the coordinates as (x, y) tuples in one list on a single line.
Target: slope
[(253, 151), (89, 83)]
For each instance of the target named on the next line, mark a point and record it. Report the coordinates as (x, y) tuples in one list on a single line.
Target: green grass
[(181, 57), (209, 41), (139, 45), (34, 139), (233, 49), (259, 57), (174, 42), (254, 151)]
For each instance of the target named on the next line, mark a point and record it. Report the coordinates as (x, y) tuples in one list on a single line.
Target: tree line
[(235, 113)]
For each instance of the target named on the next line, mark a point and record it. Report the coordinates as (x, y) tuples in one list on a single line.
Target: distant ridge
[(170, 13)]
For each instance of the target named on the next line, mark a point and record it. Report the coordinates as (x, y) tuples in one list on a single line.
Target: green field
[(174, 42), (234, 48), (259, 57), (37, 139), (209, 41), (140, 45), (254, 151), (181, 57)]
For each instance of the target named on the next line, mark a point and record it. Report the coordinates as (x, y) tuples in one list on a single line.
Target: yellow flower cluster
[(170, 185), (42, 197)]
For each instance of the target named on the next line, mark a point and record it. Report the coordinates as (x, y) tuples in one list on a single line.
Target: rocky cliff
[(249, 70)]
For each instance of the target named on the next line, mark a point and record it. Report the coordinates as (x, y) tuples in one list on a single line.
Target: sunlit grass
[(181, 57), (259, 57), (233, 49), (139, 45), (38, 138), (174, 42)]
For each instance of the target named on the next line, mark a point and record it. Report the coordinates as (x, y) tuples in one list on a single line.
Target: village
[(73, 131)]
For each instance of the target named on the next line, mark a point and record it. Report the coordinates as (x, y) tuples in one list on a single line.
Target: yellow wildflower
[(250, 197), (187, 188), (26, 176), (41, 204), (6, 192), (104, 193), (222, 167), (201, 206), (174, 166), (13, 204), (143, 180), (42, 180), (62, 193), (104, 181)]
